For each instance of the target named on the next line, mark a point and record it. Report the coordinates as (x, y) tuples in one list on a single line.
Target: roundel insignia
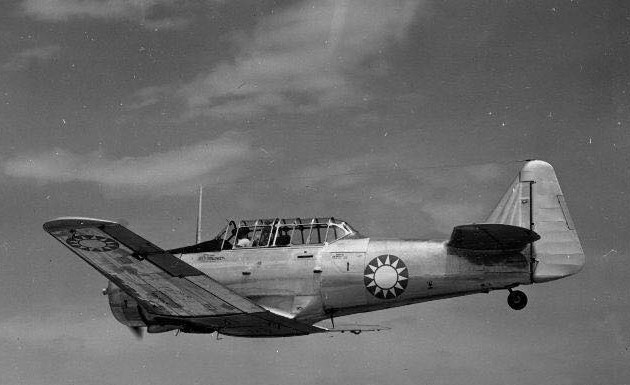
[(92, 243), (386, 276)]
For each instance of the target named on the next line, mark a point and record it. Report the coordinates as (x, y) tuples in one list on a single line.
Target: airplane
[(280, 277)]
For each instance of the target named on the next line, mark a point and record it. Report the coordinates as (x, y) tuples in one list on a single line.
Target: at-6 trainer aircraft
[(278, 277)]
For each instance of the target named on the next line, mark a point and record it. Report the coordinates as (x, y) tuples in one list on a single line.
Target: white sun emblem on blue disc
[(386, 276), (92, 243)]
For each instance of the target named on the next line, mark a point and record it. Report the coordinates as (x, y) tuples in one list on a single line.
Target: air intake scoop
[(491, 236)]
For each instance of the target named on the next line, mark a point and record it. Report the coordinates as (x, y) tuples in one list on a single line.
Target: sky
[(403, 117)]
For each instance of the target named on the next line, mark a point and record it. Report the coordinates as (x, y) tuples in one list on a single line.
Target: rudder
[(535, 201)]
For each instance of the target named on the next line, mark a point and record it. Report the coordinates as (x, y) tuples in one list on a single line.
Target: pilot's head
[(242, 232)]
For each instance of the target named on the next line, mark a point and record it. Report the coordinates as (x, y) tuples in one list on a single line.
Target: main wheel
[(517, 300)]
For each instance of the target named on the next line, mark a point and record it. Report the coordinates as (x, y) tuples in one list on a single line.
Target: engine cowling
[(126, 310)]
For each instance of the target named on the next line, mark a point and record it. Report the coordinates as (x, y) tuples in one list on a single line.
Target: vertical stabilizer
[(535, 201)]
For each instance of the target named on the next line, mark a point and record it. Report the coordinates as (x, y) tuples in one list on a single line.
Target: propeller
[(137, 331)]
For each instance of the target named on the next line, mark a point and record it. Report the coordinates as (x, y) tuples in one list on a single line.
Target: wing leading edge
[(169, 290)]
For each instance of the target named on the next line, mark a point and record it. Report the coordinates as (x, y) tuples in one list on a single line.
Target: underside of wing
[(170, 291)]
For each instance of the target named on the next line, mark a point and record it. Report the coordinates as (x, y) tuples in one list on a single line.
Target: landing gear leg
[(517, 299)]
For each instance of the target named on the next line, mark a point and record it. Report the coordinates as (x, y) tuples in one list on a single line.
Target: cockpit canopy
[(283, 232), (279, 232)]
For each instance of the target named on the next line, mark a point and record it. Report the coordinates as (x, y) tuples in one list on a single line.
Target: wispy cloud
[(301, 59), (450, 214), (32, 55), (443, 195), (149, 96), (137, 10), (168, 172)]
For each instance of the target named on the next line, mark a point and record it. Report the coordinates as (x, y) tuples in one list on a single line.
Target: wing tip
[(74, 222)]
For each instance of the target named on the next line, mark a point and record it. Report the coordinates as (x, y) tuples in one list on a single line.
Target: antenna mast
[(198, 238)]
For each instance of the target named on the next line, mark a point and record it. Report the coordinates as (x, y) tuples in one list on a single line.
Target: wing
[(169, 290)]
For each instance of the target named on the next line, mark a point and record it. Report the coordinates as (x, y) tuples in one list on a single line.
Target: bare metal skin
[(280, 281)]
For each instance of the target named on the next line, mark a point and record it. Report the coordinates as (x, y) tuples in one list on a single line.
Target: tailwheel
[(517, 299)]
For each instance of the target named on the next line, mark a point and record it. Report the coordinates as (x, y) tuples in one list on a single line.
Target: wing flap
[(212, 286), (265, 324)]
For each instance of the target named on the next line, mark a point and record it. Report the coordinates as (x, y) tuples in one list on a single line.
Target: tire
[(517, 300)]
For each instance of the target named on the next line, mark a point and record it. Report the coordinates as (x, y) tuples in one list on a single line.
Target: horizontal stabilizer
[(491, 236), (356, 329)]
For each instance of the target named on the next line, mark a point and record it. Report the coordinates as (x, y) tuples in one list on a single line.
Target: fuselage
[(348, 276), (298, 271)]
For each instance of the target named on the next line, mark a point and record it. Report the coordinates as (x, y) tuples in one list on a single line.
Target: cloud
[(340, 173), (149, 96), (138, 10), (168, 23), (170, 172), (444, 196), (448, 215), (38, 54), (301, 59)]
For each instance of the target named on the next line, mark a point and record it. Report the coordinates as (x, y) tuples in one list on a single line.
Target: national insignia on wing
[(386, 276), (95, 243)]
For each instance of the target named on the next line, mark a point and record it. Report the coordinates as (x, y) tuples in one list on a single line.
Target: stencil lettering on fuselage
[(386, 276)]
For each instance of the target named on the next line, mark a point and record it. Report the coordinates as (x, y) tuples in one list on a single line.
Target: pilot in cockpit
[(242, 237), (283, 237), (263, 239)]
